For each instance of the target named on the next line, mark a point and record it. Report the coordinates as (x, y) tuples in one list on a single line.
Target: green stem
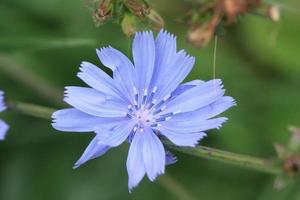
[(258, 164), (245, 161), (31, 109), (44, 43)]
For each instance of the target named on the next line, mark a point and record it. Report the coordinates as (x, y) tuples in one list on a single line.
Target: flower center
[(142, 116), (146, 109)]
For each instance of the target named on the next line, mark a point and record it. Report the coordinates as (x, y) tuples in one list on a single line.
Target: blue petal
[(122, 68), (135, 165), (153, 154), (73, 120), (170, 158), (97, 79), (119, 134), (94, 102), (196, 97), (176, 71), (2, 103), (3, 129), (143, 51), (186, 86), (182, 139), (209, 111), (165, 47), (192, 125), (92, 151)]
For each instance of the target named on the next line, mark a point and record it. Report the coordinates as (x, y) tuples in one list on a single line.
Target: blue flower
[(3, 126), (143, 102)]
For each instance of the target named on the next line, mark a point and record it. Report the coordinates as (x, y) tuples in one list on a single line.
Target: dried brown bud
[(137, 7), (103, 11), (233, 8), (200, 35)]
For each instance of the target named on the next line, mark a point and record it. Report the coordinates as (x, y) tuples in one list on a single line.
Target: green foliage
[(261, 70)]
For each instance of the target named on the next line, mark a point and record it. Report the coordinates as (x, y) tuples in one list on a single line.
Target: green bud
[(130, 24)]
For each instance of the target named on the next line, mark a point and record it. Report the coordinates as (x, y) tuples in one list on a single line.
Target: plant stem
[(44, 43), (31, 109), (245, 161)]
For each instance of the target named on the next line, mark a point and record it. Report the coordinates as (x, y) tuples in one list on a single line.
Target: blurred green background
[(257, 59)]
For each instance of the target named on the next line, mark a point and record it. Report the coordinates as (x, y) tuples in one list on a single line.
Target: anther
[(167, 97), (145, 92), (168, 118), (135, 90), (177, 112), (163, 107), (154, 89), (145, 96)]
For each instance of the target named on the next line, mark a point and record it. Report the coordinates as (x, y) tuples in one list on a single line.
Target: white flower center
[(146, 109), (143, 117)]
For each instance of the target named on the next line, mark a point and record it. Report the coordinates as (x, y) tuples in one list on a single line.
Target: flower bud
[(130, 24), (103, 11), (137, 7)]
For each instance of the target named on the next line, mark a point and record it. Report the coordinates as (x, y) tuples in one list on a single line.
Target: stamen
[(168, 118), (166, 115), (135, 91), (160, 119), (136, 97), (145, 96), (130, 116), (167, 97), (177, 112), (154, 89), (145, 92), (152, 94), (130, 108), (159, 104)]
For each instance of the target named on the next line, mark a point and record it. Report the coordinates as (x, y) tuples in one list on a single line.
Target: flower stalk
[(244, 161)]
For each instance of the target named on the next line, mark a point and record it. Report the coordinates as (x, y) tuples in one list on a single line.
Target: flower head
[(3, 126), (143, 102)]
